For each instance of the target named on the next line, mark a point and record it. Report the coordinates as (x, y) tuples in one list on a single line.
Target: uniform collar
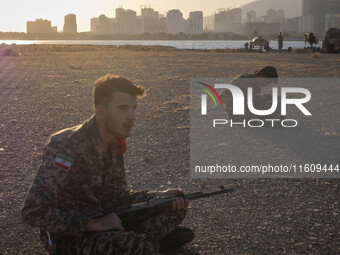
[(92, 130)]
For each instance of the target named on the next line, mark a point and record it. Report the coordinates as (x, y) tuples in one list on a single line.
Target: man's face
[(120, 114)]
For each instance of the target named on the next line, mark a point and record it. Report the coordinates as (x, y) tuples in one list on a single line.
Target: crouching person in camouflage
[(82, 179)]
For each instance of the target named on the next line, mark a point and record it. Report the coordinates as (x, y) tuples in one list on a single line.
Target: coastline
[(180, 44)]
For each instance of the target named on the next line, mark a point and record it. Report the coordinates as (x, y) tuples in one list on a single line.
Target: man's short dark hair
[(268, 72), (105, 86)]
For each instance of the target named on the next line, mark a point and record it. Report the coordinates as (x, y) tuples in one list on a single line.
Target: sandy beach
[(45, 88)]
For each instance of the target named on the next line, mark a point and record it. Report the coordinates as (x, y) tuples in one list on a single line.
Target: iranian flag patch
[(63, 162)]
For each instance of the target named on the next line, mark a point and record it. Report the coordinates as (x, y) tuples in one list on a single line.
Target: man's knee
[(174, 217), (180, 215)]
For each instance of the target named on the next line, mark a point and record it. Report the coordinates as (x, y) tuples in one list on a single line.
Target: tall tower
[(175, 23), (196, 22), (70, 24)]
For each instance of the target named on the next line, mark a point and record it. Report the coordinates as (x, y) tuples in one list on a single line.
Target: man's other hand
[(180, 203), (105, 223)]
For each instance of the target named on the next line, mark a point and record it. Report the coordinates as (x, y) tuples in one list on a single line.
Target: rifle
[(152, 204), (166, 201)]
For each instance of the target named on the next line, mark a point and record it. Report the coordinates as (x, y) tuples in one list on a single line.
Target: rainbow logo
[(207, 91), (204, 97)]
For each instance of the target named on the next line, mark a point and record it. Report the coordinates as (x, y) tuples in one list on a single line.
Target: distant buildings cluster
[(272, 23), (150, 21), (40, 26), (317, 16), (224, 21)]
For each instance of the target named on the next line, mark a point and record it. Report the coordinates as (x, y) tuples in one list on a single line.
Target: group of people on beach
[(267, 47)]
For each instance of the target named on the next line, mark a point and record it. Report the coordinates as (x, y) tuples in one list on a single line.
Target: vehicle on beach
[(258, 41), (331, 41)]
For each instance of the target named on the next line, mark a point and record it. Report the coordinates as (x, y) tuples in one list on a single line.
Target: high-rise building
[(119, 11), (40, 26), (104, 25), (195, 22), (209, 23), (162, 20), (319, 9), (149, 12), (151, 25), (280, 14), (175, 23), (101, 25), (291, 25), (274, 16), (70, 24), (229, 21), (127, 21), (306, 24), (150, 21), (95, 25), (251, 16), (271, 16), (332, 21)]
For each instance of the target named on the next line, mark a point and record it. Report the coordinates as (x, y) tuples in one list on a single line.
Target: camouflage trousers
[(140, 236)]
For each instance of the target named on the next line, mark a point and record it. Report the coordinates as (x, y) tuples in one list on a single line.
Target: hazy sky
[(15, 13)]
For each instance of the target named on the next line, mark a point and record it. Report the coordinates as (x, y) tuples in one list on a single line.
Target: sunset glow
[(15, 13)]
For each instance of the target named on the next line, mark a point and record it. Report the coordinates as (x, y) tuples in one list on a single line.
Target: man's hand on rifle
[(179, 203)]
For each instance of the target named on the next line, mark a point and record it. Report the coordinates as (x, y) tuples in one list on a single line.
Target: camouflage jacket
[(75, 182)]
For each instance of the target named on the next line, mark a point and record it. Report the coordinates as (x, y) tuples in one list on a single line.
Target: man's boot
[(176, 239)]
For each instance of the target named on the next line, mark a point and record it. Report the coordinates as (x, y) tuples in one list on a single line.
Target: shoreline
[(14, 47), (179, 44), (129, 39)]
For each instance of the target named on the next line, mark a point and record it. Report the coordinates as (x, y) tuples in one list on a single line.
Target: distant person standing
[(246, 46), (312, 40), (280, 42)]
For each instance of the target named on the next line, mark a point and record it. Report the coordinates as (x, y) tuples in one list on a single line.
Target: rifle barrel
[(198, 195)]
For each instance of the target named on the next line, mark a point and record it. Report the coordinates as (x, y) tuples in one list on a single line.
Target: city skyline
[(13, 19)]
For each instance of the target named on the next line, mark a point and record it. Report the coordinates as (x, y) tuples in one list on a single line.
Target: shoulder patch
[(63, 162)]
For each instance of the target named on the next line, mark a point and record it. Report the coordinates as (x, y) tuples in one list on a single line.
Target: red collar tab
[(121, 146)]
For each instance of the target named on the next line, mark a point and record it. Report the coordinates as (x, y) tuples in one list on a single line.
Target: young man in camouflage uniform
[(82, 179)]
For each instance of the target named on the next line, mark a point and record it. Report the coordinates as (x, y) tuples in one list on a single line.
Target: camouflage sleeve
[(44, 207), (141, 196)]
